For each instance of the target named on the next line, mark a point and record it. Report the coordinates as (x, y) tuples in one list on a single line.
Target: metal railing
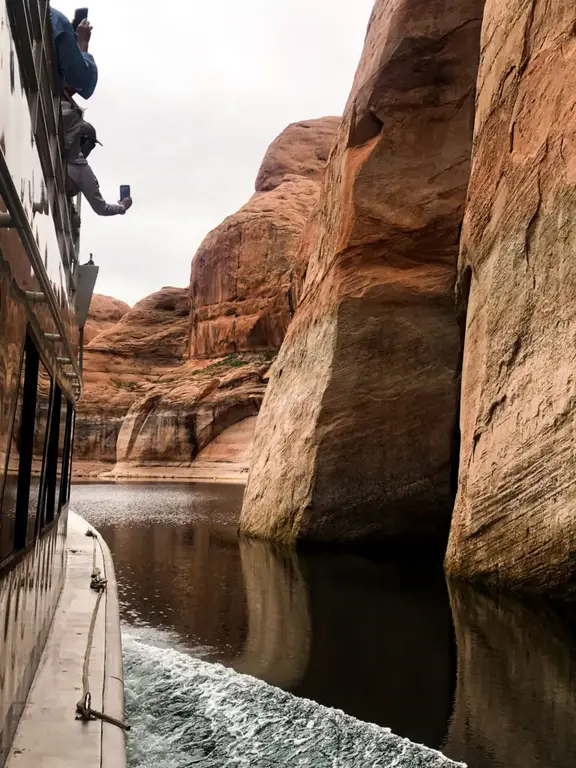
[(32, 168), (30, 20)]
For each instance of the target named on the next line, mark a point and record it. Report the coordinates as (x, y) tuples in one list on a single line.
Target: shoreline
[(100, 472)]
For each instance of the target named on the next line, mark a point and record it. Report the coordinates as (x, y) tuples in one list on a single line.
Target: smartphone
[(124, 191), (79, 16)]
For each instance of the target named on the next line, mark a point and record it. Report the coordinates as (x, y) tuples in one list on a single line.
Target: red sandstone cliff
[(178, 420), (355, 438), (154, 405), (355, 434), (120, 364), (156, 328), (105, 312), (245, 274), (514, 519)]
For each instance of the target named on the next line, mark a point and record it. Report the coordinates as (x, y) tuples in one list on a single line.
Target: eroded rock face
[(514, 520), (105, 312), (179, 418), (300, 150), (245, 280), (156, 328), (355, 435), (120, 365), (244, 289)]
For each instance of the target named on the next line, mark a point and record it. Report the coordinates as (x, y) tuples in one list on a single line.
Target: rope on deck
[(84, 709)]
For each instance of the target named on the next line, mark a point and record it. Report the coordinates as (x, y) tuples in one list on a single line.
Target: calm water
[(490, 681)]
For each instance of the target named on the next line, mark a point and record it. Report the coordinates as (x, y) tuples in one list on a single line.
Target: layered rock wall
[(245, 278), (355, 436), (514, 519), (178, 419), (105, 312), (121, 363), (167, 379), (155, 329)]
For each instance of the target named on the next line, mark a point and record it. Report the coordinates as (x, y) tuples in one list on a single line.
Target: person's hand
[(84, 33), (126, 203)]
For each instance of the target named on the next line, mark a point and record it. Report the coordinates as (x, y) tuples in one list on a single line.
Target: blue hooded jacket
[(75, 68)]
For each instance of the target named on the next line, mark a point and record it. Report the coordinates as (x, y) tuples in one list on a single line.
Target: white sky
[(191, 92)]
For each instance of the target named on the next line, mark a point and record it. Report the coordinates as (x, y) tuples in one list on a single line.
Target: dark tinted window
[(12, 336), (8, 510), (51, 489), (40, 488), (67, 464), (38, 465)]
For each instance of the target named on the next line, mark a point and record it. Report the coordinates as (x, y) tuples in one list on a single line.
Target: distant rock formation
[(301, 150), (514, 520), (179, 418), (121, 364), (158, 395), (354, 439), (156, 328), (245, 280), (105, 312)]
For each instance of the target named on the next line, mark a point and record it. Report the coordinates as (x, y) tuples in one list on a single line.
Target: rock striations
[(355, 435), (105, 312), (120, 365), (514, 519), (245, 278), (173, 391), (179, 419)]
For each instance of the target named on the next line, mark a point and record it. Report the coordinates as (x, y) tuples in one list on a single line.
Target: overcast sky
[(191, 93)]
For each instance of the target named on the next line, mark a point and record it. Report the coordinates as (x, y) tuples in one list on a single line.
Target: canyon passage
[(364, 402)]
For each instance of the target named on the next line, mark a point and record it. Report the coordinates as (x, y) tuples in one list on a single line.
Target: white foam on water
[(187, 713)]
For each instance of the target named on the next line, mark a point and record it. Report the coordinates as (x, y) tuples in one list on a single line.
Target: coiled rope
[(84, 709)]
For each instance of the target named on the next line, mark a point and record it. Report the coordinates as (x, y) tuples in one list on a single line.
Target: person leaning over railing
[(81, 178), (76, 67)]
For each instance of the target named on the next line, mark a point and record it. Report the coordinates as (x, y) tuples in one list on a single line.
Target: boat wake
[(187, 713)]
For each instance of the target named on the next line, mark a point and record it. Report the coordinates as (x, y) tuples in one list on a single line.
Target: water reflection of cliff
[(366, 635), (369, 636), (516, 686), (277, 648), (382, 647), (186, 578)]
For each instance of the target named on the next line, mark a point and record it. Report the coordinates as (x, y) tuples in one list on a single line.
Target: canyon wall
[(120, 364), (172, 390), (105, 312), (514, 518), (245, 280), (165, 431), (355, 436)]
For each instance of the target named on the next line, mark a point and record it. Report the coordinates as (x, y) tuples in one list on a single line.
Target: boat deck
[(48, 735)]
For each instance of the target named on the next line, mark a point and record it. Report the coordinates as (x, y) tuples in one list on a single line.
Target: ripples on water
[(368, 635), (188, 712)]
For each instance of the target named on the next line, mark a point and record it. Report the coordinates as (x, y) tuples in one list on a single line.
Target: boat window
[(51, 490), (39, 460), (35, 507), (8, 511), (58, 450), (12, 336), (67, 463), (26, 458)]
